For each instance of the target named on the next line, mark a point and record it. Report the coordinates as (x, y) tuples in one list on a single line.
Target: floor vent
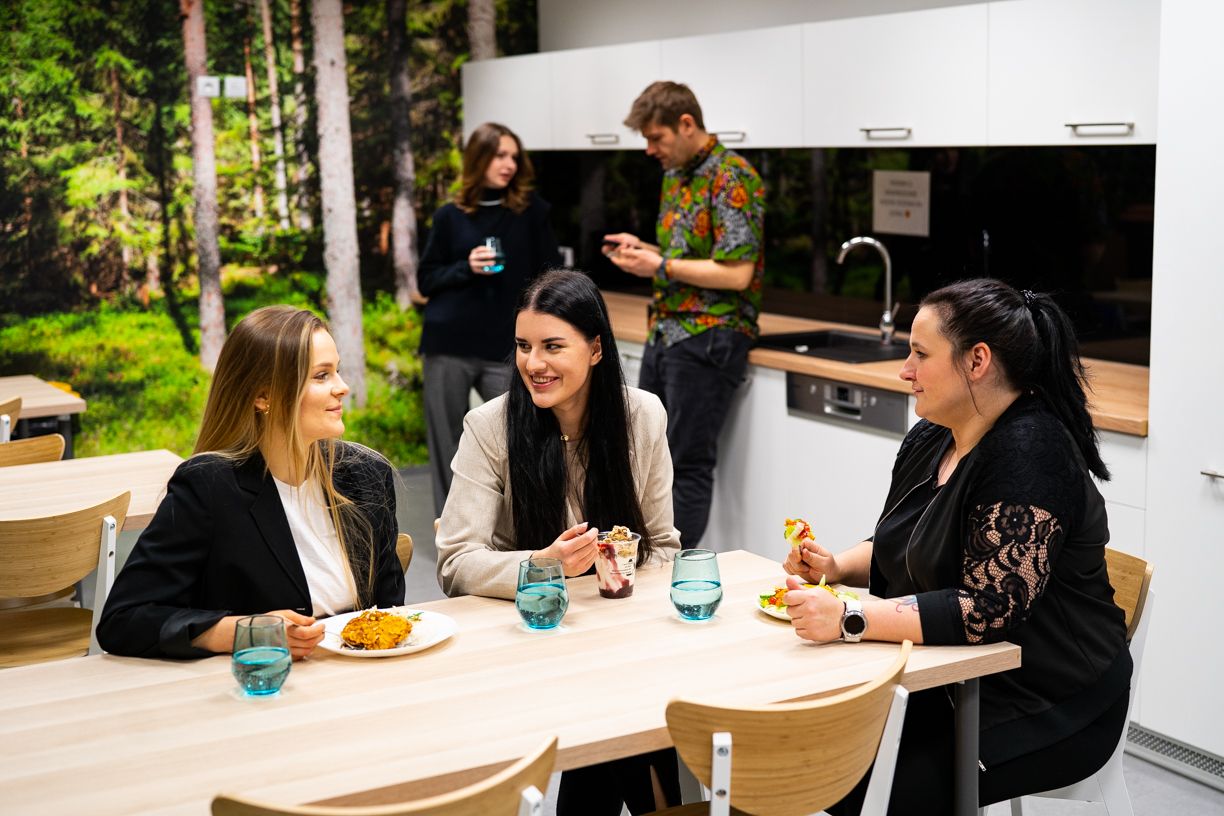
[(1175, 756)]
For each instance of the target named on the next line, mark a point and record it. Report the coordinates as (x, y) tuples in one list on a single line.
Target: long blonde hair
[(268, 355)]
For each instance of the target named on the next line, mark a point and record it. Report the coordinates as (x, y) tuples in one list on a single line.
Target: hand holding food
[(815, 615), (575, 548), (776, 600)]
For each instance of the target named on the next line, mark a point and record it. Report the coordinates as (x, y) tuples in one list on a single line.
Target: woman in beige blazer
[(568, 451)]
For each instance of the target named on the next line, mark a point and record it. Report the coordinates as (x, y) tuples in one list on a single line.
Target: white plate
[(430, 630), (774, 612)]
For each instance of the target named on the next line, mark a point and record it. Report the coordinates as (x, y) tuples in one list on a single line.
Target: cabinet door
[(592, 90), (512, 91), (911, 79), (1055, 63), (749, 83)]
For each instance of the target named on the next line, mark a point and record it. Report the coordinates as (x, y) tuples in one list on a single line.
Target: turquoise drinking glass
[(541, 599), (261, 654), (696, 588)]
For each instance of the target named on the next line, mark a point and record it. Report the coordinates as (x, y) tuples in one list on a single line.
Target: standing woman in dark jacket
[(993, 530), (271, 513), (469, 320)]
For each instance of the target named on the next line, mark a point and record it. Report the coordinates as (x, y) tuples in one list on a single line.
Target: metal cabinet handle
[(1128, 128), (1212, 474), (887, 133), (604, 138), (731, 135)]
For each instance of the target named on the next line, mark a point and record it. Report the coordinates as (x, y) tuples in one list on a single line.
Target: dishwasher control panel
[(857, 405)]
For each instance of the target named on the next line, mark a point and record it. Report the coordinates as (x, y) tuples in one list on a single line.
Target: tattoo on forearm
[(908, 602)]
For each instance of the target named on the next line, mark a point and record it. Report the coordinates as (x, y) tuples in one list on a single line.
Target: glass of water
[(261, 654), (499, 258), (541, 599), (696, 588)]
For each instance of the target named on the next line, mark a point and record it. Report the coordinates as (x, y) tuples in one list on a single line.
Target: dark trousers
[(923, 783), (695, 378), (600, 790), (448, 382)]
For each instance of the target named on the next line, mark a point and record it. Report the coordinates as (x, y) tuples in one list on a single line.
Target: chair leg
[(720, 774), (879, 787), (106, 577), (1113, 789), (1017, 809)]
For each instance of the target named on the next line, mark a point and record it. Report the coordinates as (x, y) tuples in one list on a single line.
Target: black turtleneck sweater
[(470, 315)]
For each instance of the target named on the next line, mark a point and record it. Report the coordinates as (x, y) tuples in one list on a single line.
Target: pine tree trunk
[(125, 251), (278, 133), (403, 213), (339, 205), (257, 198), (481, 34), (204, 166), (301, 178)]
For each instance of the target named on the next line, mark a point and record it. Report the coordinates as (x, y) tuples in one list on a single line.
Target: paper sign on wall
[(901, 202)]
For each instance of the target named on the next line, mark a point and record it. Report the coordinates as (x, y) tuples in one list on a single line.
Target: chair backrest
[(32, 451), (9, 411), (42, 555), (839, 736), (403, 549), (1131, 577), (517, 789)]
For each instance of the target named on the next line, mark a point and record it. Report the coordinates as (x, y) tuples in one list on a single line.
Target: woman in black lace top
[(993, 530)]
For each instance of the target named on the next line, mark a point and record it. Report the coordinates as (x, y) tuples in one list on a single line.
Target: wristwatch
[(853, 622)]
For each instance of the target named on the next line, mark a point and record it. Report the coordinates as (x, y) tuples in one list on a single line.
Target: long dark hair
[(481, 147), (1035, 343), (538, 476)]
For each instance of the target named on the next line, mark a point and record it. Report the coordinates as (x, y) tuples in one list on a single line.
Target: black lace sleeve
[(1027, 493)]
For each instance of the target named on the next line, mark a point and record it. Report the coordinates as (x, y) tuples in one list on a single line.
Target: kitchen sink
[(833, 344)]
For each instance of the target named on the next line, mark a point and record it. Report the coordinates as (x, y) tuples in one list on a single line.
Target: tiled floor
[(1154, 791)]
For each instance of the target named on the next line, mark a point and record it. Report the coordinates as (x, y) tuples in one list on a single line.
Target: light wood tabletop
[(51, 488), (39, 398), (141, 736)]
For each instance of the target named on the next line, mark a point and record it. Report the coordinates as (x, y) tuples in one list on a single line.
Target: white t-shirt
[(327, 570)]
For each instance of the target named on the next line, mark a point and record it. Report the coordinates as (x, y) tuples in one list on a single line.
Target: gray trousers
[(448, 383)]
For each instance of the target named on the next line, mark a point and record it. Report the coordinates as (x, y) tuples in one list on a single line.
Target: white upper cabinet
[(1073, 71), (749, 83), (910, 79), (513, 91), (592, 90)]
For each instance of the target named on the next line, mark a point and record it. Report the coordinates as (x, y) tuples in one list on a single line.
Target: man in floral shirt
[(706, 272)]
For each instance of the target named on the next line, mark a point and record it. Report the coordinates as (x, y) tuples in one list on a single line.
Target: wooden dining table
[(40, 399), (113, 735), (52, 488)]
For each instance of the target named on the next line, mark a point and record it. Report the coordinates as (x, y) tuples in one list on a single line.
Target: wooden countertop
[(1119, 400)]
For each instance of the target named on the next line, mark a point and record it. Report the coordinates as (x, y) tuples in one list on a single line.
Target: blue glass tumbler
[(261, 658), (541, 599), (696, 588)]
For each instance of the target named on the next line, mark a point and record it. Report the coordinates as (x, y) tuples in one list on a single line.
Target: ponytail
[(1058, 376), (1034, 342)]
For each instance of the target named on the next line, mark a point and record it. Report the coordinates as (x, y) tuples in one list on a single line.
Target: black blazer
[(220, 545)]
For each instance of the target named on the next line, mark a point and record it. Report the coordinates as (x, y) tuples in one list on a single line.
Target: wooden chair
[(40, 556), (9, 411), (403, 549), (845, 733), (517, 789), (1131, 578), (36, 449)]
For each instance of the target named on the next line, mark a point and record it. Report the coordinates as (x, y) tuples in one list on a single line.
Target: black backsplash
[(1072, 221)]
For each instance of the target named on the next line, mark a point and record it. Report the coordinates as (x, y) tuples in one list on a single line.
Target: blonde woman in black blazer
[(222, 544)]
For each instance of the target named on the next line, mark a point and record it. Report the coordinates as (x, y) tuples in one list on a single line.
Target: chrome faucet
[(887, 327)]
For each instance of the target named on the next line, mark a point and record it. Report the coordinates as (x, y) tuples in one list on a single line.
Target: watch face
[(854, 624)]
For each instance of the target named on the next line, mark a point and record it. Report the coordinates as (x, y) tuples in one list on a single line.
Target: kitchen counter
[(1119, 399)]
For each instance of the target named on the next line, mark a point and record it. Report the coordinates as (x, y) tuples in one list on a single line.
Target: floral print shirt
[(713, 207)]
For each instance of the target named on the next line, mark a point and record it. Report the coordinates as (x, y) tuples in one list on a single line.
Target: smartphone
[(608, 244)]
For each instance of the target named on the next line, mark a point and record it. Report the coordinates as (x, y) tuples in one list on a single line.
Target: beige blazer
[(475, 540)]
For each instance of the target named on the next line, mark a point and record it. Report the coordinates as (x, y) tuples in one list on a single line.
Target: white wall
[(1185, 510), (582, 23)]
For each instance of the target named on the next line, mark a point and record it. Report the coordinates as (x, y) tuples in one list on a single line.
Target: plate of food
[(773, 603), (397, 630)]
